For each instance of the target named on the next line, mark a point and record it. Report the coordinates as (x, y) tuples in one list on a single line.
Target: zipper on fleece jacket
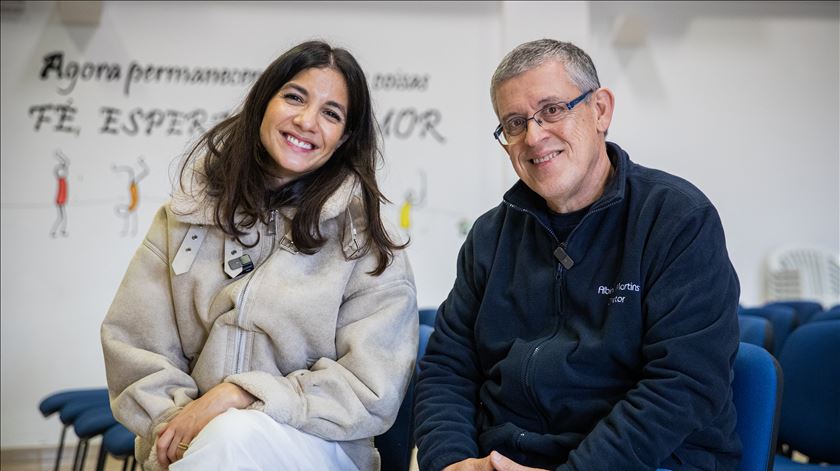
[(529, 370), (564, 263), (239, 341)]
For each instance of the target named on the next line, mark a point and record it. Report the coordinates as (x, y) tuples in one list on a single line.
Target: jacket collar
[(524, 198), (192, 205)]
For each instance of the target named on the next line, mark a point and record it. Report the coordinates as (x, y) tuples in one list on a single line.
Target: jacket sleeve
[(358, 394), (688, 347), (144, 363), (447, 389)]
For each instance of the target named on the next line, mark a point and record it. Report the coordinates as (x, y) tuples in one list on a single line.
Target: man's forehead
[(535, 88)]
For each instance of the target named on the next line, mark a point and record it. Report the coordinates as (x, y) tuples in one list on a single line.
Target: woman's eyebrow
[(332, 103), (337, 105), (298, 88)]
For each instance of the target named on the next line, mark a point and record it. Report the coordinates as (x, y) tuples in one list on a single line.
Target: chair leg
[(60, 447), (84, 455), (76, 455), (100, 460)]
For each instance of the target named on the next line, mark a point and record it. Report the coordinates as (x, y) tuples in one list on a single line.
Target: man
[(593, 322)]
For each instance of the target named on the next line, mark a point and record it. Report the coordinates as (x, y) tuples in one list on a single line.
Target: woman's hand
[(495, 461), (185, 425)]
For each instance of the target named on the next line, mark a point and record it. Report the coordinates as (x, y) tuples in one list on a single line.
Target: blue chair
[(782, 318), (91, 423), (118, 442), (804, 309), (395, 445), (830, 315), (810, 420), (756, 331), (427, 317), (70, 404), (757, 393)]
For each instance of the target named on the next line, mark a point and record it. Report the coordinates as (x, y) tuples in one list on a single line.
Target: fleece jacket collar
[(523, 198), (192, 205)]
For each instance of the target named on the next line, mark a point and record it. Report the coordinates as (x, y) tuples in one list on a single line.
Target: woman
[(269, 320)]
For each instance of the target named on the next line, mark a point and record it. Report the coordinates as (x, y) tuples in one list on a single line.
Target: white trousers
[(250, 440)]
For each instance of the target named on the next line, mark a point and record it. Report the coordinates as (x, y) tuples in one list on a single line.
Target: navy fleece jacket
[(610, 350)]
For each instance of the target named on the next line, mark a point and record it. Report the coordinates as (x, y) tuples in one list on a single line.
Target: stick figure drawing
[(61, 170), (129, 211), (412, 200)]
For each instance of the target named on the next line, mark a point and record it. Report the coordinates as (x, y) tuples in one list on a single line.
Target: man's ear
[(604, 102)]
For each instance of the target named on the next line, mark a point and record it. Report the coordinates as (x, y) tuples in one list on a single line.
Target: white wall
[(56, 291), (741, 99)]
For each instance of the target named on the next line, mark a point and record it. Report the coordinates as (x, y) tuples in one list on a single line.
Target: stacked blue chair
[(810, 420), (831, 314), (395, 445), (756, 331), (427, 317), (782, 318), (91, 423), (118, 442), (805, 310), (757, 394), (70, 404)]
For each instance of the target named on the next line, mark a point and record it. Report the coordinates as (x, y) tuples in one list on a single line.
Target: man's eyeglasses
[(512, 130)]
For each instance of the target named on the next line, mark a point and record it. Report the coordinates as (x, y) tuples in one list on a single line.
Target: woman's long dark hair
[(236, 169)]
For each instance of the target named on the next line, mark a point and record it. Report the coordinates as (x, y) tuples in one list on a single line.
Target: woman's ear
[(343, 139)]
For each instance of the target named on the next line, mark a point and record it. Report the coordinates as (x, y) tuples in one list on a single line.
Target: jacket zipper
[(562, 258), (239, 340), (529, 370)]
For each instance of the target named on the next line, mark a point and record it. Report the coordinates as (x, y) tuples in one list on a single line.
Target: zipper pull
[(272, 223), (563, 257)]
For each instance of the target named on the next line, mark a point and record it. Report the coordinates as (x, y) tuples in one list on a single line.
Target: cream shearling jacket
[(323, 346)]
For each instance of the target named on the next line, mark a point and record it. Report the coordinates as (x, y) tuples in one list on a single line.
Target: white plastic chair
[(803, 273)]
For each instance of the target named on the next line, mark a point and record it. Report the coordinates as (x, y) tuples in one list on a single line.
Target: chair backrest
[(55, 401), (118, 441), (782, 318), (756, 331), (810, 421), (427, 317), (831, 315), (395, 445), (803, 273), (805, 310), (757, 393)]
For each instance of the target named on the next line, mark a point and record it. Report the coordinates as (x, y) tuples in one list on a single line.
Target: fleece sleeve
[(146, 368), (447, 390), (689, 344)]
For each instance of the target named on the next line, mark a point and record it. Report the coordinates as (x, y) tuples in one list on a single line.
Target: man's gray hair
[(533, 54)]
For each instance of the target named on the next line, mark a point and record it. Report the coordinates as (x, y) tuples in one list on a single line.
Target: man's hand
[(194, 416), (471, 464), (503, 463), (495, 461)]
